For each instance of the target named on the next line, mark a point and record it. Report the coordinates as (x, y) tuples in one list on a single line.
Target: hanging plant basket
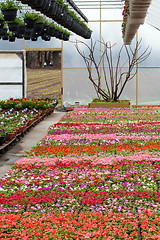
[(68, 21), (5, 37), (53, 10), (61, 15), (19, 36), (28, 34), (65, 37), (40, 5), (60, 35), (137, 10), (3, 32), (34, 38), (45, 29), (29, 23), (54, 33), (21, 29), (13, 26), (9, 14), (32, 3), (12, 38), (38, 27), (46, 38), (46, 6)]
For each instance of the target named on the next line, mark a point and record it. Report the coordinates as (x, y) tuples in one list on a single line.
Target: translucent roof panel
[(152, 17)]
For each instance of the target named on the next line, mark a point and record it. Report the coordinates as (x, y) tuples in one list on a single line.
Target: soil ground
[(43, 83)]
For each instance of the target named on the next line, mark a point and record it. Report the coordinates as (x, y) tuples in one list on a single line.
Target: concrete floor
[(30, 139)]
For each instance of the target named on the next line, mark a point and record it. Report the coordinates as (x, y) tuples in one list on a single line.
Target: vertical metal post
[(24, 44), (100, 7), (62, 73), (136, 72), (24, 76)]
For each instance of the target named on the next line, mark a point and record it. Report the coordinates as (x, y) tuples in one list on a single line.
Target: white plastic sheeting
[(12, 75), (77, 86)]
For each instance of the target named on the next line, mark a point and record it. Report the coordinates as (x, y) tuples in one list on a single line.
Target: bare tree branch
[(118, 78)]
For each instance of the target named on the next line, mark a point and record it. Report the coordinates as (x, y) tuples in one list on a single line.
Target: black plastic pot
[(29, 23), (19, 36), (2, 140), (13, 27), (65, 37), (5, 37), (21, 29), (3, 32), (46, 6), (59, 35), (62, 16), (87, 34), (40, 5), (28, 34), (20, 32), (24, 1), (46, 37), (38, 28), (53, 32), (45, 29), (32, 3), (2, 22), (69, 21), (34, 39), (74, 25), (53, 10), (59, 14), (9, 14), (12, 38)]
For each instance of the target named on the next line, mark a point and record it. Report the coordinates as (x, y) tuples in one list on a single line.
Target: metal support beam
[(74, 6)]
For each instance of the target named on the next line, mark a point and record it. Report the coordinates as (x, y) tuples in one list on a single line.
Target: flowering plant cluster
[(10, 120), (87, 179), (10, 5), (125, 15), (27, 103)]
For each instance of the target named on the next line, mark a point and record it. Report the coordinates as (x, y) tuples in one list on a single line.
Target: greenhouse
[(79, 119)]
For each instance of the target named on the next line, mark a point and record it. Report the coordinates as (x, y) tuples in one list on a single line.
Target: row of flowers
[(78, 226), (87, 186), (18, 103)]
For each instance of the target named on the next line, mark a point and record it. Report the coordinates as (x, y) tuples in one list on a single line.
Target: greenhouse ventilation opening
[(13, 80)]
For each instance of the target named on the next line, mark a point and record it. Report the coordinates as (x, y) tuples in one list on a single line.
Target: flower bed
[(95, 175)]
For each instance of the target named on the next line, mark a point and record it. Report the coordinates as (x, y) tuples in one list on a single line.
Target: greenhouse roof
[(105, 4), (152, 17)]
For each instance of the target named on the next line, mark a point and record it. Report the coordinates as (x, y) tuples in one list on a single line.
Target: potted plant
[(21, 28), (115, 77), (66, 35), (13, 25), (9, 9), (30, 19), (39, 24), (3, 136), (4, 33), (43, 6), (12, 37)]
